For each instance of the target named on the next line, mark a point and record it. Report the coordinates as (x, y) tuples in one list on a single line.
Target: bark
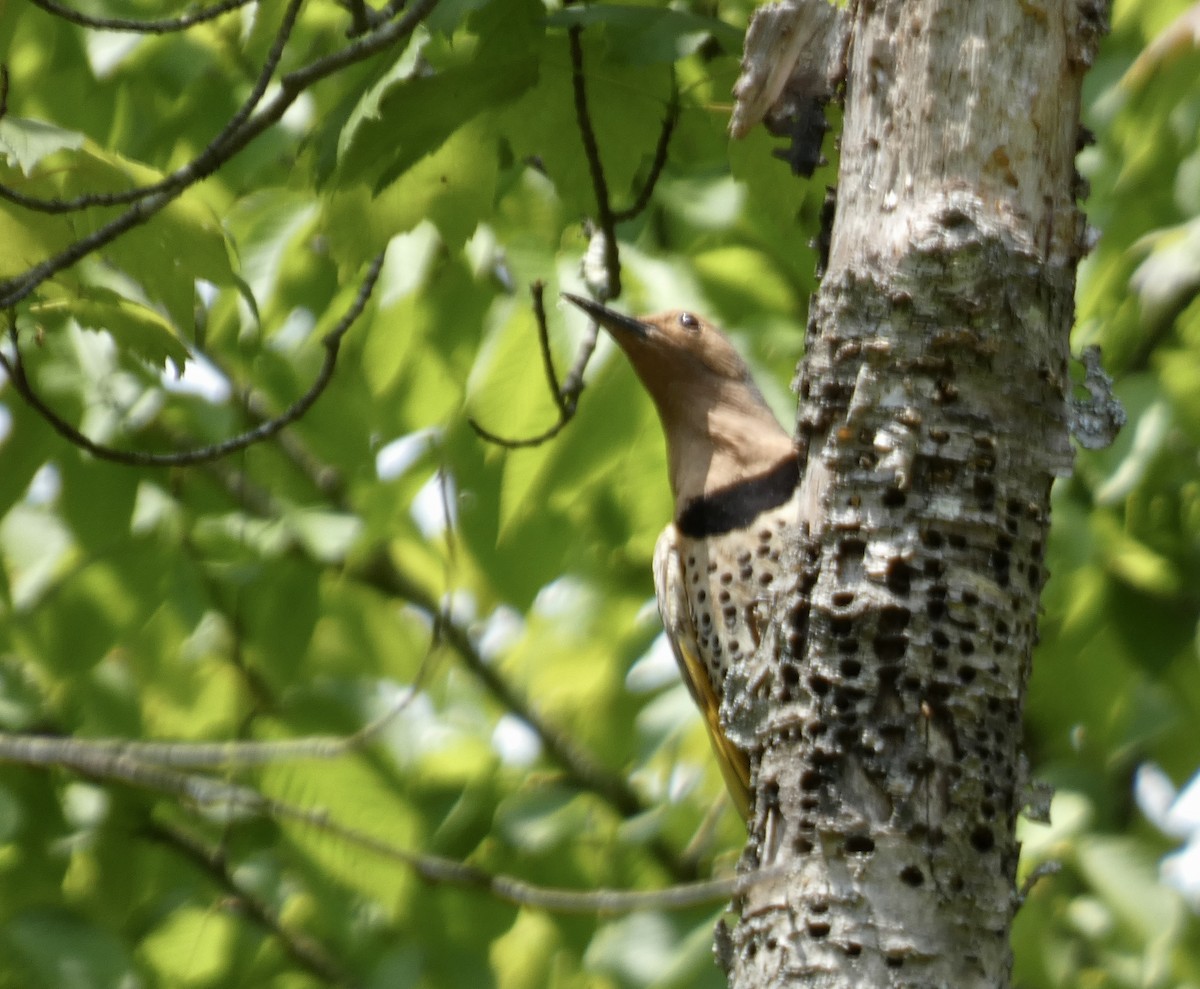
[(885, 705)]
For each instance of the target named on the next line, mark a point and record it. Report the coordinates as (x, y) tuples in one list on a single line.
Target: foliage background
[(307, 585)]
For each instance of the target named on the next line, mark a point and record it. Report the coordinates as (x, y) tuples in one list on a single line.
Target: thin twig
[(211, 755), (234, 799), (360, 20), (204, 164), (660, 157), (379, 571), (291, 86), (591, 150), (566, 395), (538, 291), (562, 399), (165, 25), (332, 342), (211, 860)]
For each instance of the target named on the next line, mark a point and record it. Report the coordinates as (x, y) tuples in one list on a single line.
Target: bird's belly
[(731, 580)]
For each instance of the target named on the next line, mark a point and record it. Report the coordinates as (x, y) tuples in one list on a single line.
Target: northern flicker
[(734, 473)]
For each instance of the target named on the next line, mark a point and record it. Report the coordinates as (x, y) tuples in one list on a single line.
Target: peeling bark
[(885, 707)]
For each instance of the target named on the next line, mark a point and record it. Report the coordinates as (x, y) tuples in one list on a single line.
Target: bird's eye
[(689, 322)]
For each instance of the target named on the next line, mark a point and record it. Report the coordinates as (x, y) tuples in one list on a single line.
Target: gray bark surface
[(884, 708)]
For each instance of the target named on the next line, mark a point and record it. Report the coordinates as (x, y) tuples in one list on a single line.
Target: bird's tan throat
[(736, 506)]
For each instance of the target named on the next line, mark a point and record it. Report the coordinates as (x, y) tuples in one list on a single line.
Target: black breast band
[(736, 506)]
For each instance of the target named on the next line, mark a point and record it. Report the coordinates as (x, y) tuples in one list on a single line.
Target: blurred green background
[(309, 583)]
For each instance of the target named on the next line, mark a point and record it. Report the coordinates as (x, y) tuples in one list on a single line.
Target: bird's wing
[(680, 625)]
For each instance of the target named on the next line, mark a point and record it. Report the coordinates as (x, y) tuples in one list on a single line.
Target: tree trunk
[(933, 418)]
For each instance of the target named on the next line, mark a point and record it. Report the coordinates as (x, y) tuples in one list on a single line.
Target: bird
[(734, 472)]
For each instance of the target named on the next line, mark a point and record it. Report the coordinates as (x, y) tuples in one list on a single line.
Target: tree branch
[(15, 367), (566, 395), (291, 86), (204, 164), (380, 572), (211, 860), (591, 149), (660, 157), (164, 25), (235, 798)]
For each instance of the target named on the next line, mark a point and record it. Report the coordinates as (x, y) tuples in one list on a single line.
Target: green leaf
[(452, 187), (416, 115), (192, 946), (51, 948), (26, 142), (1126, 877), (649, 35), (626, 106), (23, 244), (135, 327)]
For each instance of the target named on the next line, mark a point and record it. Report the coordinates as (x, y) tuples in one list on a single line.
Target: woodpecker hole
[(861, 844), (890, 648), (982, 839), (985, 493), (818, 929), (899, 577), (846, 736), (911, 875), (893, 619)]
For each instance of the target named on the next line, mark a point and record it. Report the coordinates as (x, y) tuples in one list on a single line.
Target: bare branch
[(562, 398), (215, 795), (332, 341), (591, 149), (660, 156), (306, 952), (290, 87), (165, 25), (566, 395), (360, 19), (379, 571), (204, 164), (208, 755), (538, 291)]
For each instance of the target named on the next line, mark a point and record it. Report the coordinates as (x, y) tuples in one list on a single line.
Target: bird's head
[(671, 348), (718, 427)]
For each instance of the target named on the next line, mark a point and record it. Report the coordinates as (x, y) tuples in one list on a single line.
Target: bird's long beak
[(613, 321)]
